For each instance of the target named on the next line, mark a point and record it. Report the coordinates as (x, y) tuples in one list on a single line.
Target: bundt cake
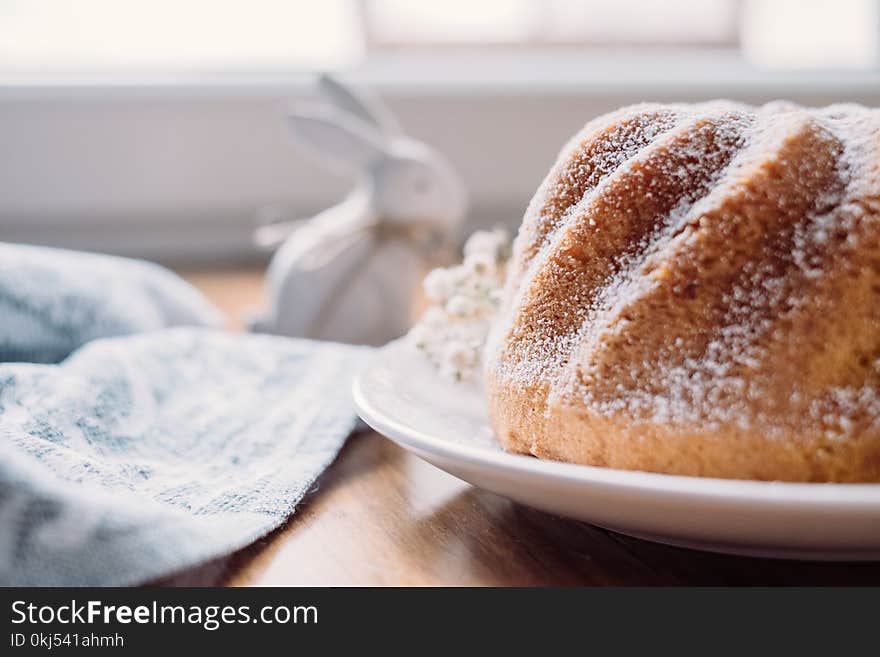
[(695, 290)]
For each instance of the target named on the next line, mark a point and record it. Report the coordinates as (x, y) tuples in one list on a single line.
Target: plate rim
[(805, 494)]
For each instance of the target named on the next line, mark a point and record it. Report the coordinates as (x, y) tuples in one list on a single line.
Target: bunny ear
[(270, 236), (342, 142), (360, 104)]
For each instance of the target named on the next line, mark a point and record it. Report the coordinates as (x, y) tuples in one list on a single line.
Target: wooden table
[(380, 516)]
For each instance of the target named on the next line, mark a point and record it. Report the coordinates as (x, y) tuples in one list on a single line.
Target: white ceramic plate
[(401, 396)]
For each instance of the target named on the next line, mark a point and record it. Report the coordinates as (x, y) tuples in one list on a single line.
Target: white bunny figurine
[(349, 274)]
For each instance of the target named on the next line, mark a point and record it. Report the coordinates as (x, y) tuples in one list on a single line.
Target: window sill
[(177, 167)]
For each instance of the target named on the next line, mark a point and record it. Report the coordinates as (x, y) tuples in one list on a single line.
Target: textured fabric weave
[(142, 455), (53, 301)]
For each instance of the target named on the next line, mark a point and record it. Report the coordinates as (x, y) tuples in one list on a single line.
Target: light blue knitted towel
[(54, 300), (139, 456)]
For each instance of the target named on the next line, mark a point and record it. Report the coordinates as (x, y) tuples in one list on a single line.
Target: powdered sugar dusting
[(756, 241)]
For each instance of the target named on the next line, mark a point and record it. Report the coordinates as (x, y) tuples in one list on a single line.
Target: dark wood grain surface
[(381, 516)]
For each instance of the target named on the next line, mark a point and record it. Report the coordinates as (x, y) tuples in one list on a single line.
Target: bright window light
[(192, 36), (546, 22), (452, 21), (160, 35), (812, 34), (632, 22)]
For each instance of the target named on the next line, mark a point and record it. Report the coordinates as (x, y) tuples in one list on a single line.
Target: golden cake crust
[(696, 290)]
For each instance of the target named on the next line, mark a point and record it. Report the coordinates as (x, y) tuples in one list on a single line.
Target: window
[(87, 36), (548, 23), (64, 36), (155, 127)]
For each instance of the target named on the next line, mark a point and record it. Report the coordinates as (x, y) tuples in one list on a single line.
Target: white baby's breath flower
[(491, 243), (481, 264), (461, 306), (464, 300), (438, 285)]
